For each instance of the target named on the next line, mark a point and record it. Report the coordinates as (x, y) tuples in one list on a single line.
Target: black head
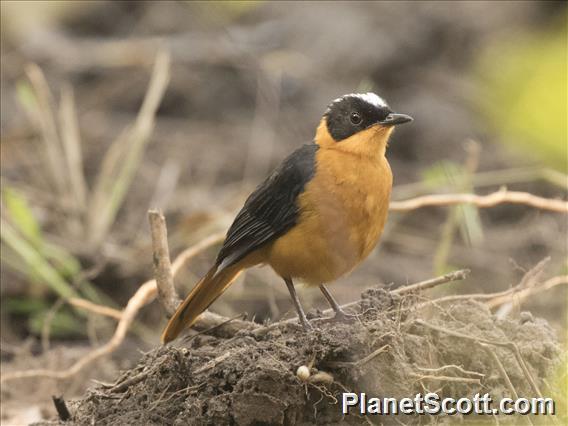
[(353, 113)]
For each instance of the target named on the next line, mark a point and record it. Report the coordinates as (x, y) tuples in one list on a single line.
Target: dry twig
[(501, 369), (482, 201), (520, 295), (129, 382), (162, 267), (93, 307), (445, 378), (447, 367), (479, 340), (496, 299), (427, 284), (194, 250), (214, 362)]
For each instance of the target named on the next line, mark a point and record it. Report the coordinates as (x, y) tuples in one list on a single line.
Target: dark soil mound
[(393, 350)]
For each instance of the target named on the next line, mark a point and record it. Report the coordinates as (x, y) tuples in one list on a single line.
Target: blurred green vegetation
[(85, 216), (455, 177), (524, 93), (45, 265), (40, 261)]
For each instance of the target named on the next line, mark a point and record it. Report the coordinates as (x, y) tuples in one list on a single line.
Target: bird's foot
[(306, 325)]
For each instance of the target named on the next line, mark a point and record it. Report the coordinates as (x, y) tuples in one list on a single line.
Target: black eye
[(355, 118)]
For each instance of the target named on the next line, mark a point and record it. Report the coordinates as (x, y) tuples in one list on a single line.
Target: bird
[(317, 216)]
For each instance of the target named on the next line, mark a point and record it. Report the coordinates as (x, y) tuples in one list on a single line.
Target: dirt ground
[(250, 377)]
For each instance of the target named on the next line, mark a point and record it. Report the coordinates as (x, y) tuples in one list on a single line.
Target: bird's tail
[(209, 288)]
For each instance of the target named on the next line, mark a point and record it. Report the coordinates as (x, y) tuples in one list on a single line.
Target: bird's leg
[(340, 314), (297, 305)]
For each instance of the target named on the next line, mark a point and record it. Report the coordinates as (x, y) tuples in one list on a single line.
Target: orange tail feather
[(209, 288)]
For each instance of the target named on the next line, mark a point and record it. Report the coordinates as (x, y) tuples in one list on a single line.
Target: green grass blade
[(35, 261)]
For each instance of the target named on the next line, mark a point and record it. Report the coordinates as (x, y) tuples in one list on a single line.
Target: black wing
[(272, 209)]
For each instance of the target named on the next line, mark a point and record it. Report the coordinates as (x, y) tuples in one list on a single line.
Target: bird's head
[(360, 123)]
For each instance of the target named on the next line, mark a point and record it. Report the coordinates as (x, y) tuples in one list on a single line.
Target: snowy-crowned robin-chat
[(317, 216)]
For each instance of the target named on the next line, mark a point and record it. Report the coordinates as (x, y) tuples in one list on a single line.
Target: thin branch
[(373, 355), (214, 362), (93, 307), (129, 382), (521, 295), (509, 345), (461, 335), (445, 378), (194, 250), (447, 367), (501, 369), (162, 267), (501, 297), (433, 282), (46, 327), (419, 286), (482, 201)]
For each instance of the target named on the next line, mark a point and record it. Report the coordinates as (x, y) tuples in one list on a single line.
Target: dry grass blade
[(35, 261), (72, 147), (45, 121), (124, 156)]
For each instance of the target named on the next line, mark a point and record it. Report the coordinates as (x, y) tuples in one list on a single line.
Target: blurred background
[(94, 133)]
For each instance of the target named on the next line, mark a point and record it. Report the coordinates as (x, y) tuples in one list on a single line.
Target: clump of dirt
[(392, 350)]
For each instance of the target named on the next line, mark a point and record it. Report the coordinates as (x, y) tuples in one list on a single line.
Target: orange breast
[(343, 213)]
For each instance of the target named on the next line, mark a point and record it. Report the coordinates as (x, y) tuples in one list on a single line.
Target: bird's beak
[(393, 119)]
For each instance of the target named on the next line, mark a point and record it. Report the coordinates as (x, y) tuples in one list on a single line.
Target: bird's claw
[(307, 326)]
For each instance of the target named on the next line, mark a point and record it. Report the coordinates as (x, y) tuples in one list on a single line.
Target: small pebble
[(303, 373)]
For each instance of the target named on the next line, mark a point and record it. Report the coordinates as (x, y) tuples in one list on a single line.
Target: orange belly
[(342, 215)]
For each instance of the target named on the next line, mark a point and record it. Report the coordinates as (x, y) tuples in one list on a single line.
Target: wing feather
[(272, 209)]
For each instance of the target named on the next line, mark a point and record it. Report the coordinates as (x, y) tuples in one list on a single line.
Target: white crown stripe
[(373, 99), (368, 97)]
